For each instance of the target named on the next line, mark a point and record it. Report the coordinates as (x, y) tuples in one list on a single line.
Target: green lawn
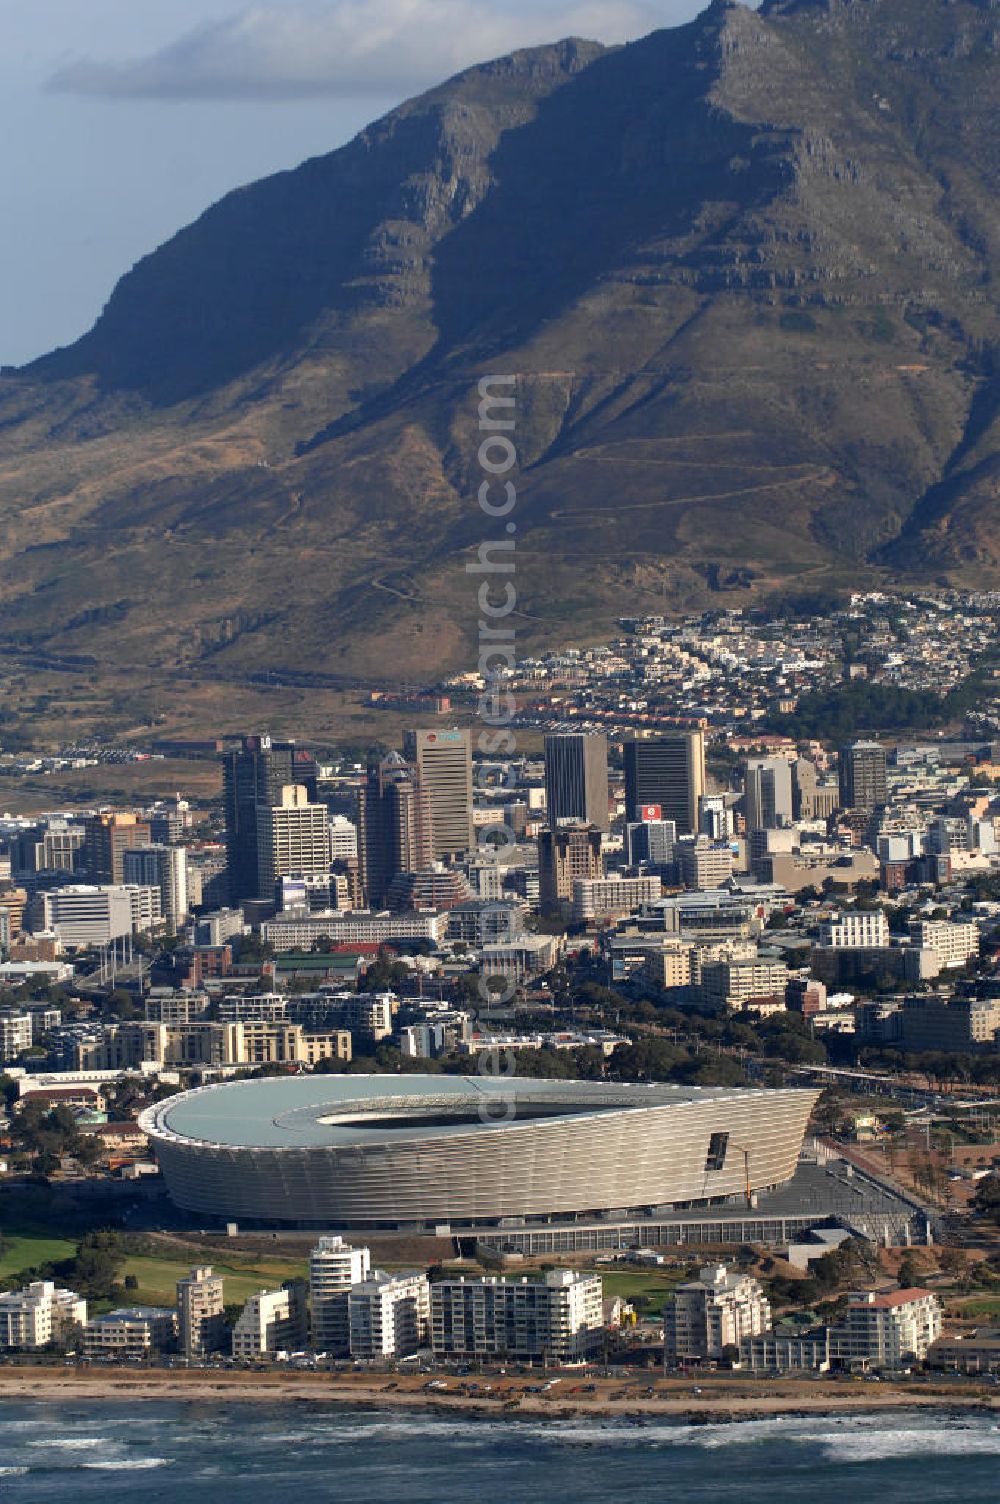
[(158, 1277), (978, 1306), (650, 1288), (26, 1251)]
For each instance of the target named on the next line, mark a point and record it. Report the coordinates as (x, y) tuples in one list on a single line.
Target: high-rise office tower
[(251, 778), (576, 778), (564, 854), (443, 760), (667, 772), (863, 783), (163, 867), (650, 841), (200, 1307), (334, 1267), (293, 836), (106, 838), (394, 827), (767, 793)]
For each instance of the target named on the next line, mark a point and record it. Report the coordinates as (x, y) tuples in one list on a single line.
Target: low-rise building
[(787, 1349), (598, 900), (130, 1332)]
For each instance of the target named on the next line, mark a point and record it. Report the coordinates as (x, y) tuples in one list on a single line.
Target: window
[(717, 1146)]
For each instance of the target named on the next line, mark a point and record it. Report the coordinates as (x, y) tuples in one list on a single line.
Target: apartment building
[(855, 929), (130, 1332), (558, 1319), (887, 1330), (200, 1320), (39, 1314), (954, 943), (271, 1321), (15, 1034), (717, 1310), (732, 983), (389, 1315), (334, 1269)]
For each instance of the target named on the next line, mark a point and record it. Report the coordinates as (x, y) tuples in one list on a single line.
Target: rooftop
[(342, 1111)]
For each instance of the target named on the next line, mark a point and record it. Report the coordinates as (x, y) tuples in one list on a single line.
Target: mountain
[(743, 271)]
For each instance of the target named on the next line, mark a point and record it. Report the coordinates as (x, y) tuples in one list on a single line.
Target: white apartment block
[(389, 1315), (717, 1310), (851, 930), (270, 1322), (146, 906), (131, 1332), (603, 898), (200, 1319), (558, 1319), (15, 1034), (887, 1330), (955, 944), (334, 1268), (39, 1314)]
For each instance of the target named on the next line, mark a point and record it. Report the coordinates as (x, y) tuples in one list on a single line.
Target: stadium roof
[(344, 1111)]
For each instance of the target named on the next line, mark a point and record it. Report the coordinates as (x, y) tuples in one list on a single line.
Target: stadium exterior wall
[(640, 1157)]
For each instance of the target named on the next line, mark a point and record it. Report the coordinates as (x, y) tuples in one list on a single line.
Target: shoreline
[(719, 1402)]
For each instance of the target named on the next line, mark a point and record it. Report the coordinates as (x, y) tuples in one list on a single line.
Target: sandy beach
[(720, 1399)]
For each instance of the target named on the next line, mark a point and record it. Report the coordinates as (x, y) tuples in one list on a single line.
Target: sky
[(121, 120)]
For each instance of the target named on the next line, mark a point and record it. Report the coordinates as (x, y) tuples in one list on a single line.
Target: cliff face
[(743, 271)]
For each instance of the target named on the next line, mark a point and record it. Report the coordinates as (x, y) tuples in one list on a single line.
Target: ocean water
[(189, 1453)]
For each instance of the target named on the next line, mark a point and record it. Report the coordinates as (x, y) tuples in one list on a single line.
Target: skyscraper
[(863, 783), (767, 793), (394, 826), (293, 836), (564, 854), (443, 760), (576, 778), (666, 771), (163, 867), (253, 777), (106, 838)]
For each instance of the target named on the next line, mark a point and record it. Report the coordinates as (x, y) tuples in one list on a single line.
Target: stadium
[(426, 1152)]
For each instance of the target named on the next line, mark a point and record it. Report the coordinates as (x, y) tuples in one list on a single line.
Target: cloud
[(353, 48)]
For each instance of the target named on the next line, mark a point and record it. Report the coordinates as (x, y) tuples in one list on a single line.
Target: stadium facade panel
[(419, 1151)]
